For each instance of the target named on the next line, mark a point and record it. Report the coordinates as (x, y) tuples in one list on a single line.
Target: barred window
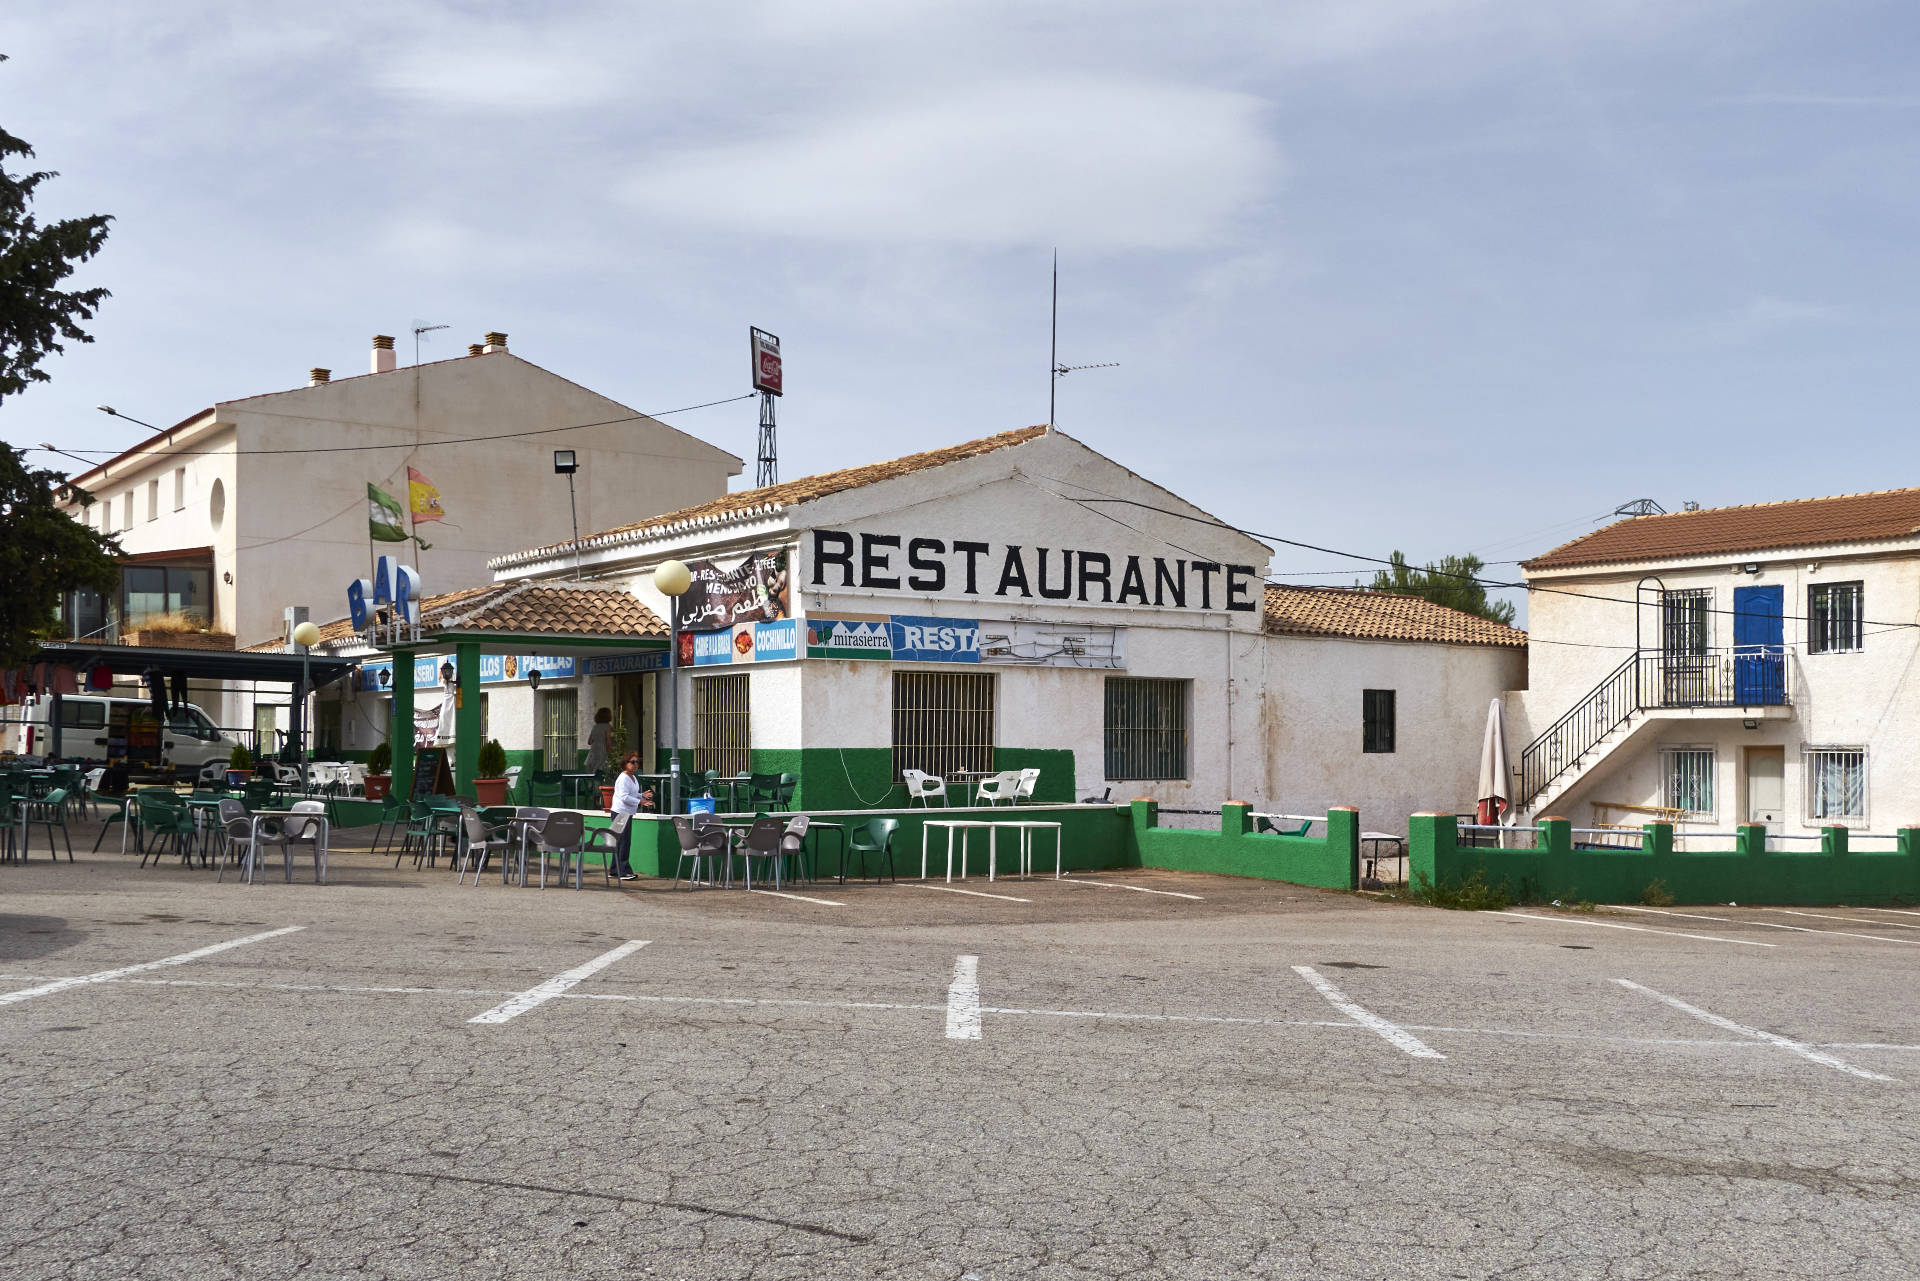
[(1684, 622), (559, 728), (1376, 720), (1836, 784), (1146, 728), (942, 722), (720, 723), (1834, 615), (1689, 780)]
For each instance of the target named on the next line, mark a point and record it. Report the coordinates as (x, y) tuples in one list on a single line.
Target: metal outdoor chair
[(874, 837), (923, 787), (763, 841), (707, 843)]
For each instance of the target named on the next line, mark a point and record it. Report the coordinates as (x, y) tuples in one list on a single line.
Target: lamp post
[(565, 463), (306, 636), (671, 579)]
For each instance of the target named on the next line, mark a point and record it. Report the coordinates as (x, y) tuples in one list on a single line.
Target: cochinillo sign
[(1014, 571)]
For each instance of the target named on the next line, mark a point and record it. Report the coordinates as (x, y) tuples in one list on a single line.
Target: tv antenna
[(419, 329), (1640, 507), (1056, 370)]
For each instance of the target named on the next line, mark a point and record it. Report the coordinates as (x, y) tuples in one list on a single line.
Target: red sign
[(766, 361)]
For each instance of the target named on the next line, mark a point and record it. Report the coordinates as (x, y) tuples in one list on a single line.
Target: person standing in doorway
[(599, 742), (627, 801)]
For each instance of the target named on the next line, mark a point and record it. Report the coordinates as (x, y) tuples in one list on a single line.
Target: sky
[(1443, 276)]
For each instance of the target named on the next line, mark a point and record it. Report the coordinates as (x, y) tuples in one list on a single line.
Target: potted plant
[(616, 752), (379, 772), (490, 784), (239, 765)]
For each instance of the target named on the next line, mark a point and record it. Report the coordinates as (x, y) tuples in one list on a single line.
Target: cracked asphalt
[(1225, 1084)]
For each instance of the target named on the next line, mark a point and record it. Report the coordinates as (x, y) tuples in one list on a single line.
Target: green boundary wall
[(1328, 862), (1748, 873)]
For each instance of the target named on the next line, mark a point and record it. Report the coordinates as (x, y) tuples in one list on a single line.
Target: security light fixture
[(564, 462), (446, 672), (533, 678)]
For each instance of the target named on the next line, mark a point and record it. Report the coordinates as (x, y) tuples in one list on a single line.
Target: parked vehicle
[(100, 729)]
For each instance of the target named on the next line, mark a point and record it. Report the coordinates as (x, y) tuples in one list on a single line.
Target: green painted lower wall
[(1328, 862), (1749, 873)]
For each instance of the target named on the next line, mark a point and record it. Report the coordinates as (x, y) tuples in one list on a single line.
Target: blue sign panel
[(652, 660), (774, 641), (934, 640), (712, 648)]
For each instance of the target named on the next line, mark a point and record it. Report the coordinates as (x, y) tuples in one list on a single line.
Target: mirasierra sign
[(1012, 571)]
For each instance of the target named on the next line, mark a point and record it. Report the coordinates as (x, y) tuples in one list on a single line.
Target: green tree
[(1452, 582), (44, 553)]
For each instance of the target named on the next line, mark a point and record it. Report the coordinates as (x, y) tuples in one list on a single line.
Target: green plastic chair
[(165, 821), (546, 787), (874, 837), (1267, 825)]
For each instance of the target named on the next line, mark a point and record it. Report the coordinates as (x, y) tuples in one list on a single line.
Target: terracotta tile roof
[(1366, 615), (1755, 527), (554, 609), (789, 492)]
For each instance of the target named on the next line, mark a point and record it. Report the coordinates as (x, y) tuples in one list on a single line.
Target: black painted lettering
[(1103, 575), (832, 547), (933, 573), (873, 565), (1066, 575), (1013, 573), (973, 552), (1206, 569), (1133, 584), (1237, 588), (1174, 584)]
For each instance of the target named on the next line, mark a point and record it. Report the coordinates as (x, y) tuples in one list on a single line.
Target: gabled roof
[(528, 608), (1359, 614), (770, 498), (1755, 527)]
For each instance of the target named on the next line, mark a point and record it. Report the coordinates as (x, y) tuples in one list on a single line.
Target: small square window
[(1689, 780), (1836, 785), (1834, 618), (1376, 720)]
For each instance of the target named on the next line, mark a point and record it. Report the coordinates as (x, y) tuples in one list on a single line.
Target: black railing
[(1744, 676)]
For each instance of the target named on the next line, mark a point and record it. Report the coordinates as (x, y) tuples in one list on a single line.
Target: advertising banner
[(495, 669), (766, 361), (934, 640), (849, 638), (710, 649), (775, 641), (754, 591)]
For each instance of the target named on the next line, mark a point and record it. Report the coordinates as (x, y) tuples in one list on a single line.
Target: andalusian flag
[(385, 516), (423, 497)]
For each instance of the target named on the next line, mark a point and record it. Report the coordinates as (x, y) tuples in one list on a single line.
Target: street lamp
[(671, 579), (565, 463), (306, 636)]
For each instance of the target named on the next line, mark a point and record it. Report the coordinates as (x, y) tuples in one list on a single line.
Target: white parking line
[(1610, 925), (1394, 1034), (1763, 925), (1804, 1050), (801, 898), (963, 1000), (1137, 889), (1851, 920), (107, 976), (1896, 911), (514, 1006), (950, 889)]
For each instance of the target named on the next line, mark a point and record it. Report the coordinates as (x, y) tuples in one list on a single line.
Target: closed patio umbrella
[(1496, 778), (444, 732)]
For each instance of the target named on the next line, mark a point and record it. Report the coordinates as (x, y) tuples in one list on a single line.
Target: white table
[(965, 827), (1027, 827)]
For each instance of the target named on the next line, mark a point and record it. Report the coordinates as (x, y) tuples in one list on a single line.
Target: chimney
[(474, 349), (496, 341), (319, 377), (383, 353)]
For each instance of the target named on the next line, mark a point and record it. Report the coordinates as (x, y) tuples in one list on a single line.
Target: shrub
[(239, 757), (380, 759), (493, 760), (1471, 895), (1656, 895)]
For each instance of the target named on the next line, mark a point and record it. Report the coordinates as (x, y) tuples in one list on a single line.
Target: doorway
[(1766, 774)]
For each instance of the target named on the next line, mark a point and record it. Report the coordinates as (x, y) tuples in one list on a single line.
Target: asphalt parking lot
[(1120, 1074)]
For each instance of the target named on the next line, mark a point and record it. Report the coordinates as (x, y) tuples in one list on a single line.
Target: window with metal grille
[(559, 728), (1689, 780), (1376, 720), (1684, 621), (720, 739), (1146, 728), (1834, 617), (942, 722), (1836, 784)]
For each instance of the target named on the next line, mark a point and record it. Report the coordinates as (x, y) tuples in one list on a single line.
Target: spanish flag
[(423, 498)]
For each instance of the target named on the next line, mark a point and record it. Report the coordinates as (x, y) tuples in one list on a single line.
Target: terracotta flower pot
[(490, 791), (606, 797), (378, 786)]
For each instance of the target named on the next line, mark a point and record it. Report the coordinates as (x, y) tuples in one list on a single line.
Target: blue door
[(1759, 647)]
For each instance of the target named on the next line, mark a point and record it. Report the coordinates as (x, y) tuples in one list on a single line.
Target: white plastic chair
[(1029, 779), (1004, 786), (922, 785)]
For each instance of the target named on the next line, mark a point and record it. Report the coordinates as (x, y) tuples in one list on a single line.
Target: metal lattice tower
[(769, 469)]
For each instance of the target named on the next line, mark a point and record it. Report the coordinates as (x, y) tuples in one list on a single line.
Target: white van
[(101, 729)]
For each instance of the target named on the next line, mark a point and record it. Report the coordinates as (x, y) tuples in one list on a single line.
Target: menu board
[(431, 774)]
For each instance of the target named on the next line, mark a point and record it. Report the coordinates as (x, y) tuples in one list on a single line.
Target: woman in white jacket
[(629, 798)]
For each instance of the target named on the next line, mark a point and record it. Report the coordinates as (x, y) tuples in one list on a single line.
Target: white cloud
[(1094, 164)]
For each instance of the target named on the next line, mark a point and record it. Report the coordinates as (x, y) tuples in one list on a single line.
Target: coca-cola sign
[(754, 591), (766, 361)]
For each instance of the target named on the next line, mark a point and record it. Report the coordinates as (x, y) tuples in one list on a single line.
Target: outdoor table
[(253, 842), (965, 827), (572, 780), (1027, 827), (970, 779), (1377, 839)]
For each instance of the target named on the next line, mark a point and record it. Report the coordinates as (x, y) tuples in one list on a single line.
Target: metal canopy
[(196, 664)]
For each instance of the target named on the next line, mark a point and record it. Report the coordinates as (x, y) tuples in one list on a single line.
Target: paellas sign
[(495, 669), (1013, 571), (746, 643), (754, 591)]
